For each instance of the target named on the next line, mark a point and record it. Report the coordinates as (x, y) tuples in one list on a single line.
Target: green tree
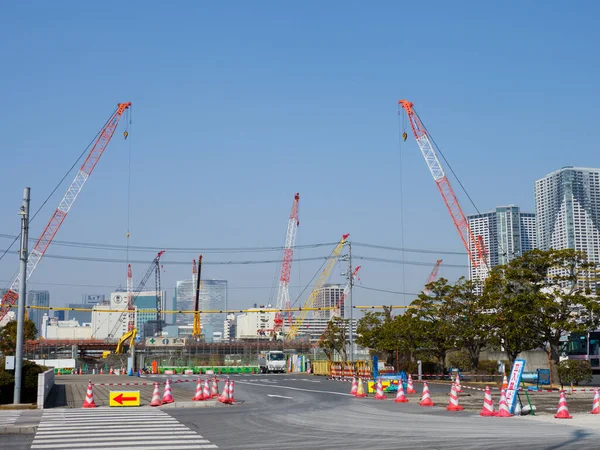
[(472, 323), (8, 335), (437, 327), (334, 338), (573, 371)]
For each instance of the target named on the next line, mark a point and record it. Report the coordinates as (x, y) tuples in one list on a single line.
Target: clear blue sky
[(237, 105)]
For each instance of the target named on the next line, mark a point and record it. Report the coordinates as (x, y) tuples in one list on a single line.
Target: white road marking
[(278, 396)]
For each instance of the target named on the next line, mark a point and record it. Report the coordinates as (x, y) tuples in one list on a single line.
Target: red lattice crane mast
[(65, 205), (473, 245), (283, 294), (432, 276)]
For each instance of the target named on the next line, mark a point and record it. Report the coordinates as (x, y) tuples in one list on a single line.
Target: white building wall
[(248, 324)]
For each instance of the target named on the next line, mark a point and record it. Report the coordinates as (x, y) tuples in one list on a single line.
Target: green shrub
[(573, 371), (487, 367), (460, 359)]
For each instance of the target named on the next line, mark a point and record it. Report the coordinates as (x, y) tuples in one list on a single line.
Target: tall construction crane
[(197, 330), (318, 285), (154, 266), (283, 294), (65, 205), (345, 293), (432, 276), (473, 245)]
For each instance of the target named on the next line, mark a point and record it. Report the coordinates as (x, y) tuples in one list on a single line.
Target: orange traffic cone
[(167, 396), (410, 389), (156, 396), (214, 391), (89, 397), (231, 399), (199, 396), (453, 403), (224, 398), (505, 383), (488, 404), (360, 392), (206, 390), (101, 371), (563, 411), (426, 398), (457, 386), (400, 397), (354, 387), (596, 404), (503, 410), (379, 395)]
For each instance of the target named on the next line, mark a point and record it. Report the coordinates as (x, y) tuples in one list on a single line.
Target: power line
[(384, 290), (410, 263)]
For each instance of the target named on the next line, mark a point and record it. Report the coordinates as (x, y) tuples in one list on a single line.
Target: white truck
[(273, 361)]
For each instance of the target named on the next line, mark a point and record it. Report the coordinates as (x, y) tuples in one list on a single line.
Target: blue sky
[(238, 105)]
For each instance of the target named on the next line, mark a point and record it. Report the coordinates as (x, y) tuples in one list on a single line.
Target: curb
[(202, 404), (18, 430)]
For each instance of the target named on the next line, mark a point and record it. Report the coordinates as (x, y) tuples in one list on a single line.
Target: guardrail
[(45, 383)]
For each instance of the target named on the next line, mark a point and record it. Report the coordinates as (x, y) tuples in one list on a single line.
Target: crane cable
[(401, 137)]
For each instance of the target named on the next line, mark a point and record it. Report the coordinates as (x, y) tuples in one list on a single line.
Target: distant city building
[(54, 329), (213, 296), (38, 298), (329, 296), (107, 324), (59, 315), (229, 327), (507, 233), (184, 301), (147, 300), (93, 299), (80, 316), (254, 323), (567, 204)]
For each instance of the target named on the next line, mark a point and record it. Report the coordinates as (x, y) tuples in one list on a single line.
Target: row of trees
[(519, 308)]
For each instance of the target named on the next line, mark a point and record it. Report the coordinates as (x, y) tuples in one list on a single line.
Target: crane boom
[(64, 206), (197, 330), (318, 285), (283, 294), (432, 276), (131, 324), (472, 245)]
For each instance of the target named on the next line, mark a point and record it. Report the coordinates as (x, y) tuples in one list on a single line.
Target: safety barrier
[(202, 370), (45, 383), (321, 367)]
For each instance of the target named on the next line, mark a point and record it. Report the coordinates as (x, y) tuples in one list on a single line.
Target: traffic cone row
[(453, 403), (89, 397), (426, 398), (488, 404)]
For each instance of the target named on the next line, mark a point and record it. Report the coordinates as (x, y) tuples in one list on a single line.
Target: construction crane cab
[(128, 336)]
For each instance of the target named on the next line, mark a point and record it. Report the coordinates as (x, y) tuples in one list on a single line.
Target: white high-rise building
[(329, 297), (507, 233), (567, 205), (184, 301)]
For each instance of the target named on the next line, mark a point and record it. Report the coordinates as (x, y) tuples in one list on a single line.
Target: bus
[(584, 346)]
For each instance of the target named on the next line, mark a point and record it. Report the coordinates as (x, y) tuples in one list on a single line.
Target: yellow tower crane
[(318, 285)]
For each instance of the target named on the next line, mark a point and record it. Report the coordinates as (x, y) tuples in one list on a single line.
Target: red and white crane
[(432, 276), (283, 294), (65, 205), (474, 246)]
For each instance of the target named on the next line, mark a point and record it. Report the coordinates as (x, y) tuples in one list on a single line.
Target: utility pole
[(24, 213), (351, 281)]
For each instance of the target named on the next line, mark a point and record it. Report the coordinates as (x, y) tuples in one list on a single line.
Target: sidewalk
[(19, 421)]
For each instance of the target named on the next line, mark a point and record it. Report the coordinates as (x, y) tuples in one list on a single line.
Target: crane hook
[(125, 134), (404, 136)]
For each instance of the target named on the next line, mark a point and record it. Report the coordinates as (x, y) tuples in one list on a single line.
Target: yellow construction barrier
[(320, 367)]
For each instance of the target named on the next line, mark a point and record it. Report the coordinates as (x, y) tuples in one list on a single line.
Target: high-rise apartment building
[(507, 233), (567, 205), (213, 296), (329, 296), (37, 298)]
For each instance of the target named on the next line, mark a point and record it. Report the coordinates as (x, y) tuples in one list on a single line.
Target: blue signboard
[(513, 384)]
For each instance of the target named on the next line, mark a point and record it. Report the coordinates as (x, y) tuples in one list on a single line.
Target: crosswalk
[(9, 417), (114, 429)]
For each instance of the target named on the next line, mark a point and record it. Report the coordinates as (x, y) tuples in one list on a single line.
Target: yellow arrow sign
[(124, 398)]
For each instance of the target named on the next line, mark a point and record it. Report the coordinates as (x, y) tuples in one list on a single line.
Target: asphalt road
[(299, 412)]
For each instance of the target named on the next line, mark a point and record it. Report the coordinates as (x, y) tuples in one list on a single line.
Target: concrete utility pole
[(24, 213), (351, 280)]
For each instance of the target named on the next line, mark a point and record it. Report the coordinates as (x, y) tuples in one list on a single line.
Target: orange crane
[(473, 245), (65, 204)]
